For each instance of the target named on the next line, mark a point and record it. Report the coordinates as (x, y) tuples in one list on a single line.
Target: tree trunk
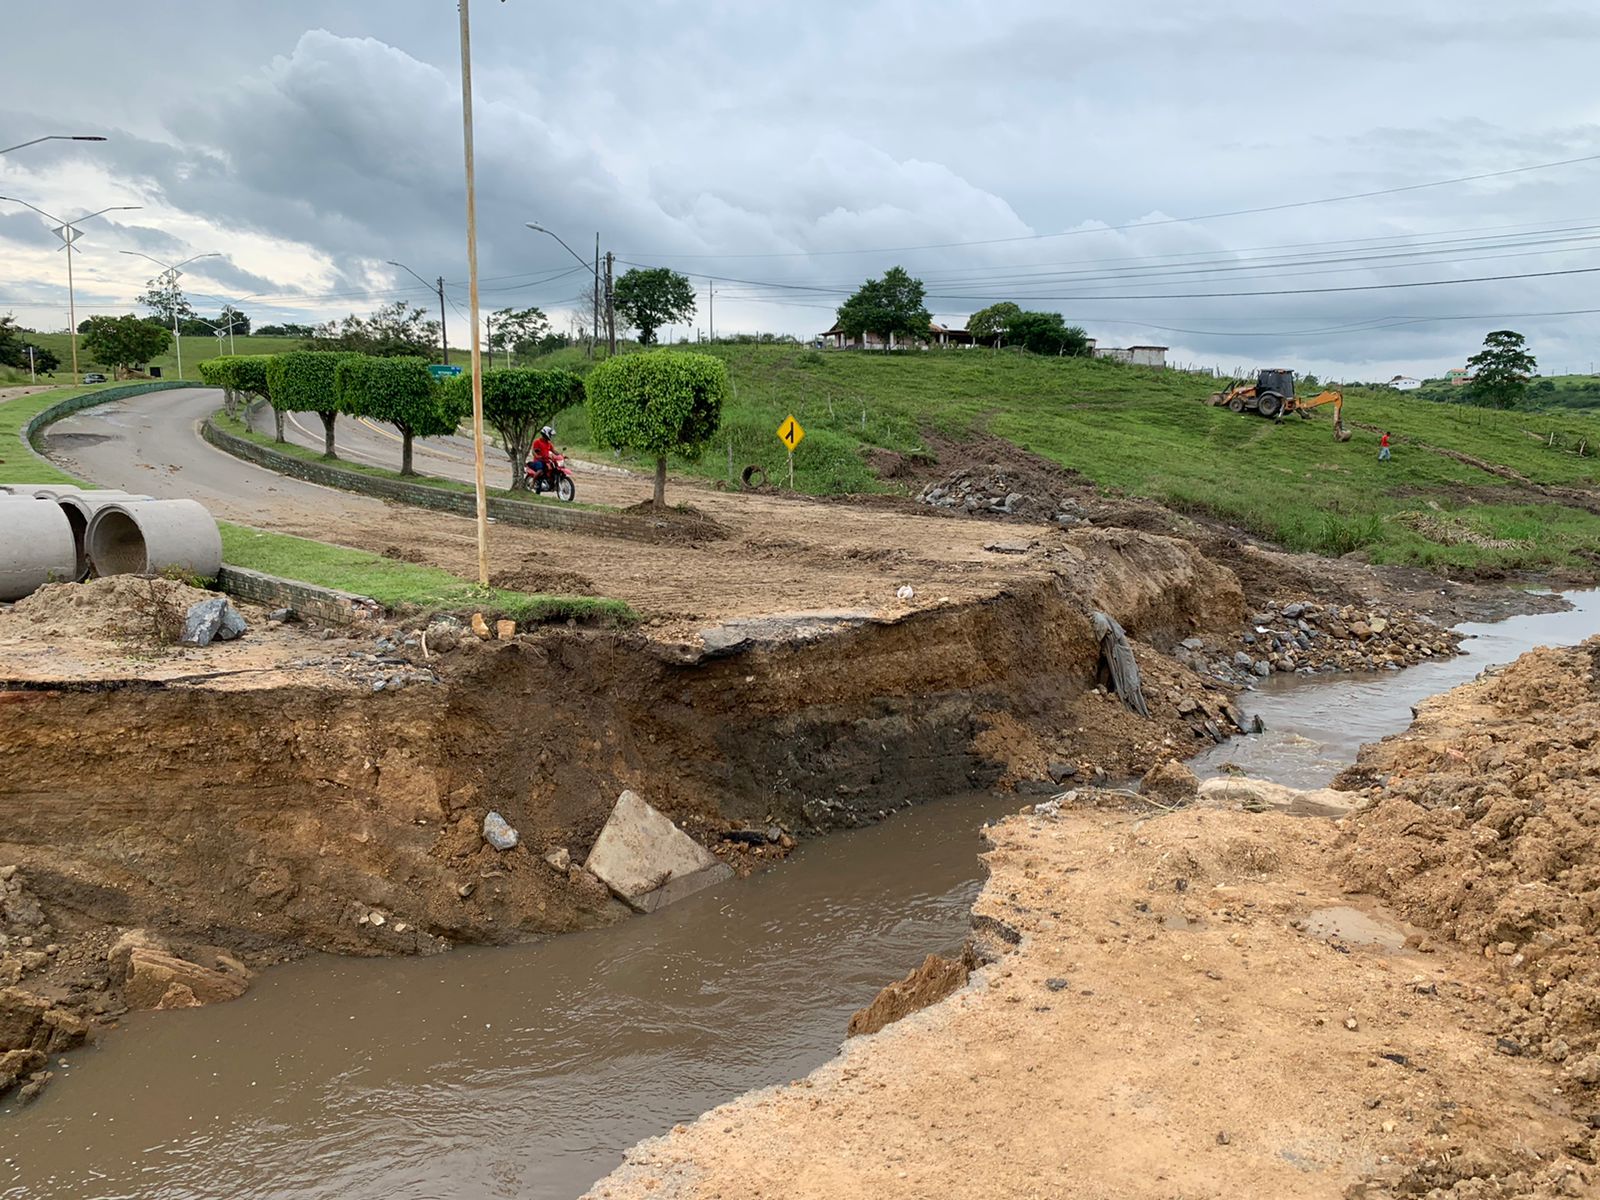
[(230, 402), (405, 452), (661, 481), (519, 476), (277, 416), (328, 418)]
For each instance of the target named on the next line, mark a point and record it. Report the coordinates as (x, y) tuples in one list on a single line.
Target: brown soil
[(1483, 826), (1161, 1019)]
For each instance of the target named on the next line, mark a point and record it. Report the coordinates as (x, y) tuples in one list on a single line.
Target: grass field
[(1146, 432)]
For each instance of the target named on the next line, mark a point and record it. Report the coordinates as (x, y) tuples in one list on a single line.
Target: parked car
[(94, 377)]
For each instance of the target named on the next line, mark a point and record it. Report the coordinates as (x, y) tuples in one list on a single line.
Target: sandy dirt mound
[(118, 607), (1486, 829)]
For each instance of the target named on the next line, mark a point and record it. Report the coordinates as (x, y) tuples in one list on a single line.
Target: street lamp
[(56, 137), (444, 341), (68, 233), (171, 275), (594, 324)]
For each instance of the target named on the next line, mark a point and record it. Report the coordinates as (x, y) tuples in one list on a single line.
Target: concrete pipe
[(46, 491), (146, 537), (35, 546), (80, 508)]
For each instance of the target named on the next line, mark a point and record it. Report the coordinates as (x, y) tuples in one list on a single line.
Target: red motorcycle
[(557, 478)]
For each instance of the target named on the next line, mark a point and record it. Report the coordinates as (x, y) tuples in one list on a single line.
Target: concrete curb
[(45, 417), (530, 515)]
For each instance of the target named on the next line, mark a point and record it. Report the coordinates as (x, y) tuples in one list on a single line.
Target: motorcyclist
[(542, 453)]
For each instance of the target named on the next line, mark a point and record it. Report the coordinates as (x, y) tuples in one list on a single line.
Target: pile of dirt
[(118, 607), (678, 523), (543, 580), (1306, 637), (1004, 490), (1484, 826)]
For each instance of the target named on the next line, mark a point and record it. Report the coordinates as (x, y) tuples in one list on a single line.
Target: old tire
[(753, 477), (1269, 405)]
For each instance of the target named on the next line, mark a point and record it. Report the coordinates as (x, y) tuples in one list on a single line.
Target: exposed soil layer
[(1482, 825), (1165, 1015)]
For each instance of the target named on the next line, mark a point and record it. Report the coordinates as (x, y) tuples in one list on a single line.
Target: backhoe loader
[(1272, 395)]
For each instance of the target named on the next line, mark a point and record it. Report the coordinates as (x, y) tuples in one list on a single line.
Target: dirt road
[(778, 554)]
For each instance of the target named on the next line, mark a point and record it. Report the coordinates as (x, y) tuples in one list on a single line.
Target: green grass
[(1145, 432), (17, 464), (401, 585)]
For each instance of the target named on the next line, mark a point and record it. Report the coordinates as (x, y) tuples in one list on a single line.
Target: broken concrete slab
[(647, 861), (1008, 547), (1264, 794)]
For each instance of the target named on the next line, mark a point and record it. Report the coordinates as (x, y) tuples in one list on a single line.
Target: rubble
[(992, 490)]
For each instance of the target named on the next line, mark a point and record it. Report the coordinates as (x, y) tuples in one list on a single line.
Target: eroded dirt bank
[(1175, 1019)]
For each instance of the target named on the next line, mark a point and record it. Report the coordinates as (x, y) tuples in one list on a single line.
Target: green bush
[(399, 391), (660, 402), (240, 376), (303, 381), (517, 402)]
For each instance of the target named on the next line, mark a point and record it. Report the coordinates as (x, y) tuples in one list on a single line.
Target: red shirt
[(543, 448), (1384, 442)]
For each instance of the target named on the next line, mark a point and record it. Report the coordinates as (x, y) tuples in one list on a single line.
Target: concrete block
[(647, 860), (1263, 793)]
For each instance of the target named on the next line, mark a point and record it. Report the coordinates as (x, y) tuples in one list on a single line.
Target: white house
[(1404, 383)]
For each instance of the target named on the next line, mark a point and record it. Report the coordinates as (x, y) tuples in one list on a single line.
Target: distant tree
[(398, 390), (1501, 370), (548, 344), (516, 403), (166, 301), (303, 381), (230, 319), (648, 298), (889, 307), (660, 402), (396, 330), (42, 360), (517, 330), (241, 377), (1047, 333), (284, 329), (123, 342), (11, 354), (989, 325)]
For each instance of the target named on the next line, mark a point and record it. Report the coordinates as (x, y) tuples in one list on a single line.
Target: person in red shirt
[(1383, 447), (542, 451)]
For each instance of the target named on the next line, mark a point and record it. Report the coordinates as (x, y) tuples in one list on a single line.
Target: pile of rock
[(1304, 637), (993, 491)]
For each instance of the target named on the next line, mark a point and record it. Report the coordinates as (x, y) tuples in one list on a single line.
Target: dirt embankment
[(1483, 827), (259, 799), (1166, 1012)]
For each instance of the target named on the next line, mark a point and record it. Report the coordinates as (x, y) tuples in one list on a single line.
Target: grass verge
[(17, 463)]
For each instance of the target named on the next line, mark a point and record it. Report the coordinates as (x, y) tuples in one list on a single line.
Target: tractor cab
[(1276, 380)]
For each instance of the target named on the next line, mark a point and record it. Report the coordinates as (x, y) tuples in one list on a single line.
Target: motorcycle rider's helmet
[(548, 431)]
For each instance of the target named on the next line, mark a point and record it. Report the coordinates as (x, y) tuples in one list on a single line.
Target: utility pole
[(444, 340), (611, 313), (472, 297), (594, 325), (711, 316), (170, 276)]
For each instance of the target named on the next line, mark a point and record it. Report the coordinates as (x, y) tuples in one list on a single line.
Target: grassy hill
[(1148, 433)]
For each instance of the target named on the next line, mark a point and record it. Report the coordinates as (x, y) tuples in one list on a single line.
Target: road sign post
[(790, 433)]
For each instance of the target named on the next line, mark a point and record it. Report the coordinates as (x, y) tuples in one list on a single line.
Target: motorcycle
[(556, 478)]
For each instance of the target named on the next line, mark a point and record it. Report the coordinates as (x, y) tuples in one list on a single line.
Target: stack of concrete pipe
[(49, 534)]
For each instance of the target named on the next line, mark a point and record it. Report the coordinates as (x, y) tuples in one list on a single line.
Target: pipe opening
[(118, 546)]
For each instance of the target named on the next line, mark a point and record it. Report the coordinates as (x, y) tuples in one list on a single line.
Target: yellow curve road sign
[(790, 433)]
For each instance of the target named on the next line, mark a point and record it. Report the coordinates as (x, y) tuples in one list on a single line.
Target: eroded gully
[(525, 1071)]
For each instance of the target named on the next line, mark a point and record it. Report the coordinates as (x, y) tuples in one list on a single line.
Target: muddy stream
[(526, 1071)]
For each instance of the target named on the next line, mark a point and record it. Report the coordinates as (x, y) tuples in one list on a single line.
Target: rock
[(8, 872), (1242, 659), (497, 831), (559, 859), (480, 627), (159, 979), (505, 630), (281, 615), (1007, 547), (647, 861), (1378, 625), (1351, 1024), (1170, 782), (1587, 1070), (1510, 1046), (1263, 668), (1261, 794), (232, 626), (1360, 630), (1012, 500), (30, 1022), (1060, 771), (1293, 611), (904, 592), (1057, 984), (935, 979), (203, 621), (1187, 705), (465, 890)]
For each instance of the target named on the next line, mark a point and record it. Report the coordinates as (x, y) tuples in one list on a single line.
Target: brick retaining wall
[(306, 599)]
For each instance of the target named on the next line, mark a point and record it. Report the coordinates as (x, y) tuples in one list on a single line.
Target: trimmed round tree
[(661, 402), (239, 375), (399, 391), (302, 381), (516, 402)]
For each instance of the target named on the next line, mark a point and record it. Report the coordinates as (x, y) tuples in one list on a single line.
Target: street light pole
[(444, 340), (68, 233), (56, 137), (472, 296), (582, 262), (171, 275)]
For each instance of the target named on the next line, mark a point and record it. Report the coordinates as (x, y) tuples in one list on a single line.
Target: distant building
[(1148, 356), (938, 335), (1404, 383), (1114, 353), (1458, 376)]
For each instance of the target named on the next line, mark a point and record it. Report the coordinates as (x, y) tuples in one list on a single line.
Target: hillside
[(1148, 433)]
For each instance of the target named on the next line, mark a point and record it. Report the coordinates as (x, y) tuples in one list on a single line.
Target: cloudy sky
[(1093, 159)]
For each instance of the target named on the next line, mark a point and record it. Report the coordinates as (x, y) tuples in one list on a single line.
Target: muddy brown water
[(526, 1071)]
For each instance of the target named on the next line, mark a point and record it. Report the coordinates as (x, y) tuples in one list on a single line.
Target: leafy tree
[(888, 306), (648, 298), (398, 390), (516, 402), (240, 375), (11, 352), (123, 342), (44, 361), (166, 300), (231, 316), (284, 329), (1047, 333), (659, 402), (990, 324), (1501, 370), (518, 330), (303, 381), (396, 330)]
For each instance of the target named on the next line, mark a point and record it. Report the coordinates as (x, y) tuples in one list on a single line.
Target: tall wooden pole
[(472, 298)]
